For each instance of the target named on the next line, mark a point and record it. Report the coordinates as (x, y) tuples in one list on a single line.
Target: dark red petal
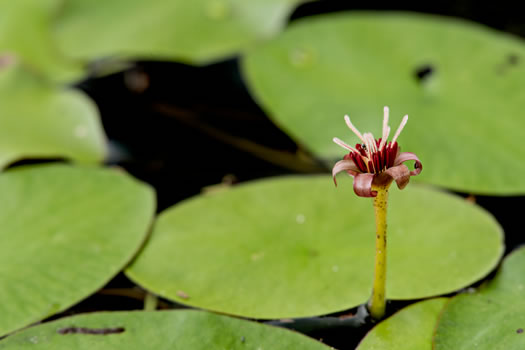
[(383, 158), (401, 174), (375, 158), (387, 156), (360, 149), (370, 166), (359, 162), (393, 150), (344, 165), (363, 185), (403, 157)]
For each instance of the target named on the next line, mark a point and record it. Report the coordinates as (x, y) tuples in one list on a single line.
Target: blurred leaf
[(25, 30), (38, 120), (197, 31), (491, 318), (411, 328), (466, 110), (65, 232), (297, 246), (174, 330)]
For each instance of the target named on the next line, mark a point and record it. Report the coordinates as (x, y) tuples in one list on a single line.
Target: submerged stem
[(377, 302)]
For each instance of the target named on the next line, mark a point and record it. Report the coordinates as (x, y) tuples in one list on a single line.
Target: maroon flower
[(374, 162)]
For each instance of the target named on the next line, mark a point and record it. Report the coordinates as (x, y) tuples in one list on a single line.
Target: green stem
[(377, 302), (150, 302)]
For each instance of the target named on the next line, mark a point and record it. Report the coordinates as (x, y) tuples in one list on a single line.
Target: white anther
[(401, 126), (370, 142), (353, 128), (386, 128), (385, 138), (344, 145), (385, 121)]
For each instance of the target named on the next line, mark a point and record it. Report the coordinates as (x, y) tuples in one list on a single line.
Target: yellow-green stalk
[(377, 302)]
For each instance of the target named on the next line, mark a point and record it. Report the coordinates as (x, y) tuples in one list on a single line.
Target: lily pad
[(25, 30), (298, 246), (39, 120), (461, 84), (65, 232), (182, 329), (197, 31), (491, 318), (412, 328)]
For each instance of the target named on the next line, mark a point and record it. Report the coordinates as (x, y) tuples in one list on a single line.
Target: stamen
[(401, 126), (359, 161), (371, 167), (344, 145), (385, 137), (371, 142), (367, 166), (353, 128), (386, 128), (366, 144), (385, 122)]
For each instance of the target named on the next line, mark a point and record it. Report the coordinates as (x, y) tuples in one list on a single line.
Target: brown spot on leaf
[(92, 331), (182, 295)]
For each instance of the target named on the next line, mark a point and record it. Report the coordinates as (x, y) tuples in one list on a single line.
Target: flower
[(374, 162)]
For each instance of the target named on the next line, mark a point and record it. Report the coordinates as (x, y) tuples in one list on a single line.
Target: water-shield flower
[(374, 162)]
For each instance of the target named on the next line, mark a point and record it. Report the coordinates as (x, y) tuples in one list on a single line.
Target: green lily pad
[(465, 113), (65, 232), (298, 246), (491, 318), (38, 120), (412, 328), (197, 31), (25, 30), (182, 329)]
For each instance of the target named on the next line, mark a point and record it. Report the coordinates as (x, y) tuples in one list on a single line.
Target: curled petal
[(363, 185), (404, 156), (401, 174), (347, 165)]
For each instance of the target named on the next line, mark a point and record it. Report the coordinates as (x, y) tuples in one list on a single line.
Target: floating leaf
[(25, 30), (182, 329), (197, 31), (38, 120), (297, 246), (491, 318), (411, 328), (461, 84), (65, 232)]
